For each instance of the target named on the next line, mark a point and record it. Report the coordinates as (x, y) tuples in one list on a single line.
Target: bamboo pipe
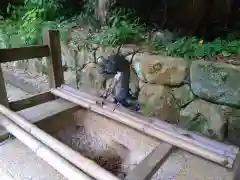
[(44, 152), (231, 156), (83, 163), (220, 159), (218, 147), (189, 139), (211, 145), (157, 123)]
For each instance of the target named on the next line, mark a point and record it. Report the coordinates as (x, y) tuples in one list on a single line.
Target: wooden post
[(3, 92), (54, 61), (236, 168), (4, 101), (149, 166)]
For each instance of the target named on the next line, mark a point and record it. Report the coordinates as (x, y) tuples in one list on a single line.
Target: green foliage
[(119, 28), (27, 23), (193, 47)]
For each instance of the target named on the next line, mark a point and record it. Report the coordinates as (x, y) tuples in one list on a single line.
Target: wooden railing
[(51, 49)]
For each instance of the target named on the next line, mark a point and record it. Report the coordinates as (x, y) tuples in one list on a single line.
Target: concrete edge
[(24, 81)]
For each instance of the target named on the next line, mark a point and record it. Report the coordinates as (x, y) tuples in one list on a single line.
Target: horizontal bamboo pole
[(185, 137), (220, 159), (44, 152), (191, 137), (83, 163)]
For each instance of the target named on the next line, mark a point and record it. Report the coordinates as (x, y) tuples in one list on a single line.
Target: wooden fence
[(51, 49)]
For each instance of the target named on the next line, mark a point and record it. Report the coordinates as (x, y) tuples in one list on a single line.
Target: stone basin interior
[(113, 146), (118, 148)]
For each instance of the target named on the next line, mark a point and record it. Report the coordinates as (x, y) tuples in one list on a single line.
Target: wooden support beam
[(31, 101), (54, 62), (149, 166), (236, 168), (46, 116), (3, 101), (3, 92), (23, 53)]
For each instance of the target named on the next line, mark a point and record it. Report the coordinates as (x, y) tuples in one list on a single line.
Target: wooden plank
[(3, 101), (31, 101), (236, 168), (3, 91), (23, 53), (54, 62), (46, 116), (149, 166)]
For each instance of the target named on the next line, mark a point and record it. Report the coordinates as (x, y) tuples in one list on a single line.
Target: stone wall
[(202, 96)]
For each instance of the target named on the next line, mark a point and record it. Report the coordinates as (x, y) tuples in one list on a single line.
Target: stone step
[(18, 162)]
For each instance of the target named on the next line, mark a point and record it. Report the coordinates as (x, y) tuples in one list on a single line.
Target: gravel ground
[(94, 148)]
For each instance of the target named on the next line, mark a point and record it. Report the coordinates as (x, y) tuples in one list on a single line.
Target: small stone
[(91, 77), (70, 78), (127, 48), (155, 100), (105, 51), (35, 66), (216, 82), (161, 70), (70, 53), (83, 57), (204, 117), (77, 55), (183, 95)]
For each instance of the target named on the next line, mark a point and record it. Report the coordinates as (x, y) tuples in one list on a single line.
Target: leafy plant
[(26, 24), (119, 29), (194, 47)]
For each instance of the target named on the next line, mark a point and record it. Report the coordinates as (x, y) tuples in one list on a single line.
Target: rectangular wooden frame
[(52, 50)]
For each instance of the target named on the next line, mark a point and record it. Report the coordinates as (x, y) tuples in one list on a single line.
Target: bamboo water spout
[(183, 144)]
